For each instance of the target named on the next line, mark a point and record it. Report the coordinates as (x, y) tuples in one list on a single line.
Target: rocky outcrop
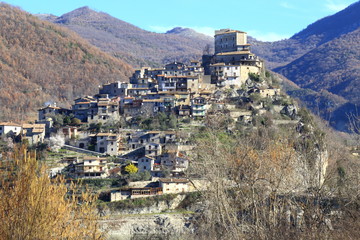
[(157, 207), (168, 226), (290, 111)]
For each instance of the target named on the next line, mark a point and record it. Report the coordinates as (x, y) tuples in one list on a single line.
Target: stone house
[(99, 109), (131, 108), (153, 149), (146, 163), (141, 138), (174, 161), (107, 143), (103, 110), (187, 84), (132, 193), (9, 127), (174, 185), (184, 110), (69, 132), (81, 109), (233, 61), (269, 92), (34, 133), (198, 107), (115, 89), (138, 91), (150, 107), (92, 167), (51, 110), (226, 75)]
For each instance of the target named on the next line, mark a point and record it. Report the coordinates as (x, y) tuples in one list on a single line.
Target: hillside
[(324, 60), (41, 62), (190, 33), (130, 43), (283, 52), (334, 66), (331, 27)]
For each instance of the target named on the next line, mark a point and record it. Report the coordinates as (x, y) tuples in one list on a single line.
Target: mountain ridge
[(42, 62), (126, 41)]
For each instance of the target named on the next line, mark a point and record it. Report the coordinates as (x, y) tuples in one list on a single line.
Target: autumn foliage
[(41, 62), (33, 206)]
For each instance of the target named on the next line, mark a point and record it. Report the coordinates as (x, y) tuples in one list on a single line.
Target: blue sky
[(266, 20)]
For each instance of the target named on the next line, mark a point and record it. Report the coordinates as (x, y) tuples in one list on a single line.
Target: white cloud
[(263, 36), (204, 30), (267, 36), (335, 6), (287, 5), (160, 29)]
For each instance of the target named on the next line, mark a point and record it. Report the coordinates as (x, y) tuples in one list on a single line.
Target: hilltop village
[(140, 125)]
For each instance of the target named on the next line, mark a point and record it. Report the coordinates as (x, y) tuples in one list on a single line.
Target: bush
[(97, 182), (131, 169), (140, 202), (190, 198), (33, 206), (140, 176), (255, 77), (255, 97)]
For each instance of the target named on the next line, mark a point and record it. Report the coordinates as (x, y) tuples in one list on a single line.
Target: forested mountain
[(126, 41), (282, 52), (190, 33), (332, 65), (41, 62)]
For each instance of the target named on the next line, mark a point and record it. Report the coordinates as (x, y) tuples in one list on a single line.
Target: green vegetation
[(139, 202), (190, 199), (255, 77), (160, 121)]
